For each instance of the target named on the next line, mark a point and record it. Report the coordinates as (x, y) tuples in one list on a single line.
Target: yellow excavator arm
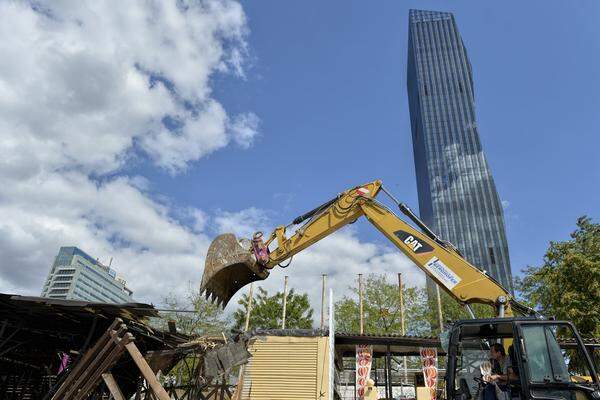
[(231, 264)]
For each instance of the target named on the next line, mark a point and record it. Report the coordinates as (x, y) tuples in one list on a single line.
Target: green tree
[(208, 318), (567, 284), (381, 308), (452, 310), (267, 311)]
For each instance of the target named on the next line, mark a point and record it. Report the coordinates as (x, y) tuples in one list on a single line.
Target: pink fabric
[(64, 362)]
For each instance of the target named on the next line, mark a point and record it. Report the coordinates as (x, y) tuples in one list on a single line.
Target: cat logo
[(416, 244), (413, 243)]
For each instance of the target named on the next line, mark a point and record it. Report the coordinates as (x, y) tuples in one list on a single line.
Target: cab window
[(475, 361), (553, 354)]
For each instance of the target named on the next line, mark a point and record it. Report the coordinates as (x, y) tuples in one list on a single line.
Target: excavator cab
[(230, 265), (543, 360)]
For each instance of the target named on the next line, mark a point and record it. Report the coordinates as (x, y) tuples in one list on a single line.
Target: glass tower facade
[(457, 194), (75, 275)]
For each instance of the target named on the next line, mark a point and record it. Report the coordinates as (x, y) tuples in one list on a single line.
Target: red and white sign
[(363, 191), (364, 356), (430, 368)]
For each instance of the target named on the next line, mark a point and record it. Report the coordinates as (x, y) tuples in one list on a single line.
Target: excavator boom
[(233, 263)]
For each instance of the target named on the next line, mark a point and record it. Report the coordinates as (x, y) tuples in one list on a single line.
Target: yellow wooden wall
[(285, 367)]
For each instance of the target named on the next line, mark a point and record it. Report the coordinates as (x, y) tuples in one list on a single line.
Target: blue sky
[(328, 81), (278, 106)]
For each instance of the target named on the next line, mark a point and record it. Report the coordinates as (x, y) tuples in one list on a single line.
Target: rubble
[(69, 349)]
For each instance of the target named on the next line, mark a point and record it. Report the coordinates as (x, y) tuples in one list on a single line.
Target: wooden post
[(172, 326), (285, 282), (439, 307), (249, 308), (401, 294), (147, 372), (240, 385), (112, 386), (402, 329), (323, 302), (360, 303)]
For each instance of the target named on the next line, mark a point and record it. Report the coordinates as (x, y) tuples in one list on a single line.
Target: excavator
[(548, 358)]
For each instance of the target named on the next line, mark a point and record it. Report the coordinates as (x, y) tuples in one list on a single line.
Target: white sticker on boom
[(443, 274)]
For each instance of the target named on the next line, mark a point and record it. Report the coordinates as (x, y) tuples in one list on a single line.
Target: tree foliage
[(567, 284), (381, 309), (452, 310), (267, 311), (208, 318)]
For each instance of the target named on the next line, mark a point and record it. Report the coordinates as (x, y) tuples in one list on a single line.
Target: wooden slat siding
[(284, 368)]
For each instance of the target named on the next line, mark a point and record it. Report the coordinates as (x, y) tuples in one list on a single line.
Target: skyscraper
[(76, 275), (457, 194)]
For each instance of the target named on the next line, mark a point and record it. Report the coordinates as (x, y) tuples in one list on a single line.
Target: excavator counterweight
[(228, 267)]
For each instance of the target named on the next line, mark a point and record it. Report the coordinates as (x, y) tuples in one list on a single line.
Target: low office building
[(75, 275)]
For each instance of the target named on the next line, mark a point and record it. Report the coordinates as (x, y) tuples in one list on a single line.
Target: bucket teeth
[(228, 267)]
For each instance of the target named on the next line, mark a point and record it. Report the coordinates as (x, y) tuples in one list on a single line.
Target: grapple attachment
[(229, 266)]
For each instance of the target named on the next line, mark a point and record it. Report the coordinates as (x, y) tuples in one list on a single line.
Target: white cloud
[(81, 83), (86, 87), (342, 256), (197, 137), (245, 128), (113, 219), (243, 223)]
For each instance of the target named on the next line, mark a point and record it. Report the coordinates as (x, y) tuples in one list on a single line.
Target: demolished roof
[(31, 325), (35, 331)]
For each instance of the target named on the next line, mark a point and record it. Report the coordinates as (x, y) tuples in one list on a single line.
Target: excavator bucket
[(229, 267)]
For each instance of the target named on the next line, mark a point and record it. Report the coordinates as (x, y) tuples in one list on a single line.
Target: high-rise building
[(75, 275), (457, 194)]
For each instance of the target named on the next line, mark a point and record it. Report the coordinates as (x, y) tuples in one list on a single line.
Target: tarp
[(221, 360)]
